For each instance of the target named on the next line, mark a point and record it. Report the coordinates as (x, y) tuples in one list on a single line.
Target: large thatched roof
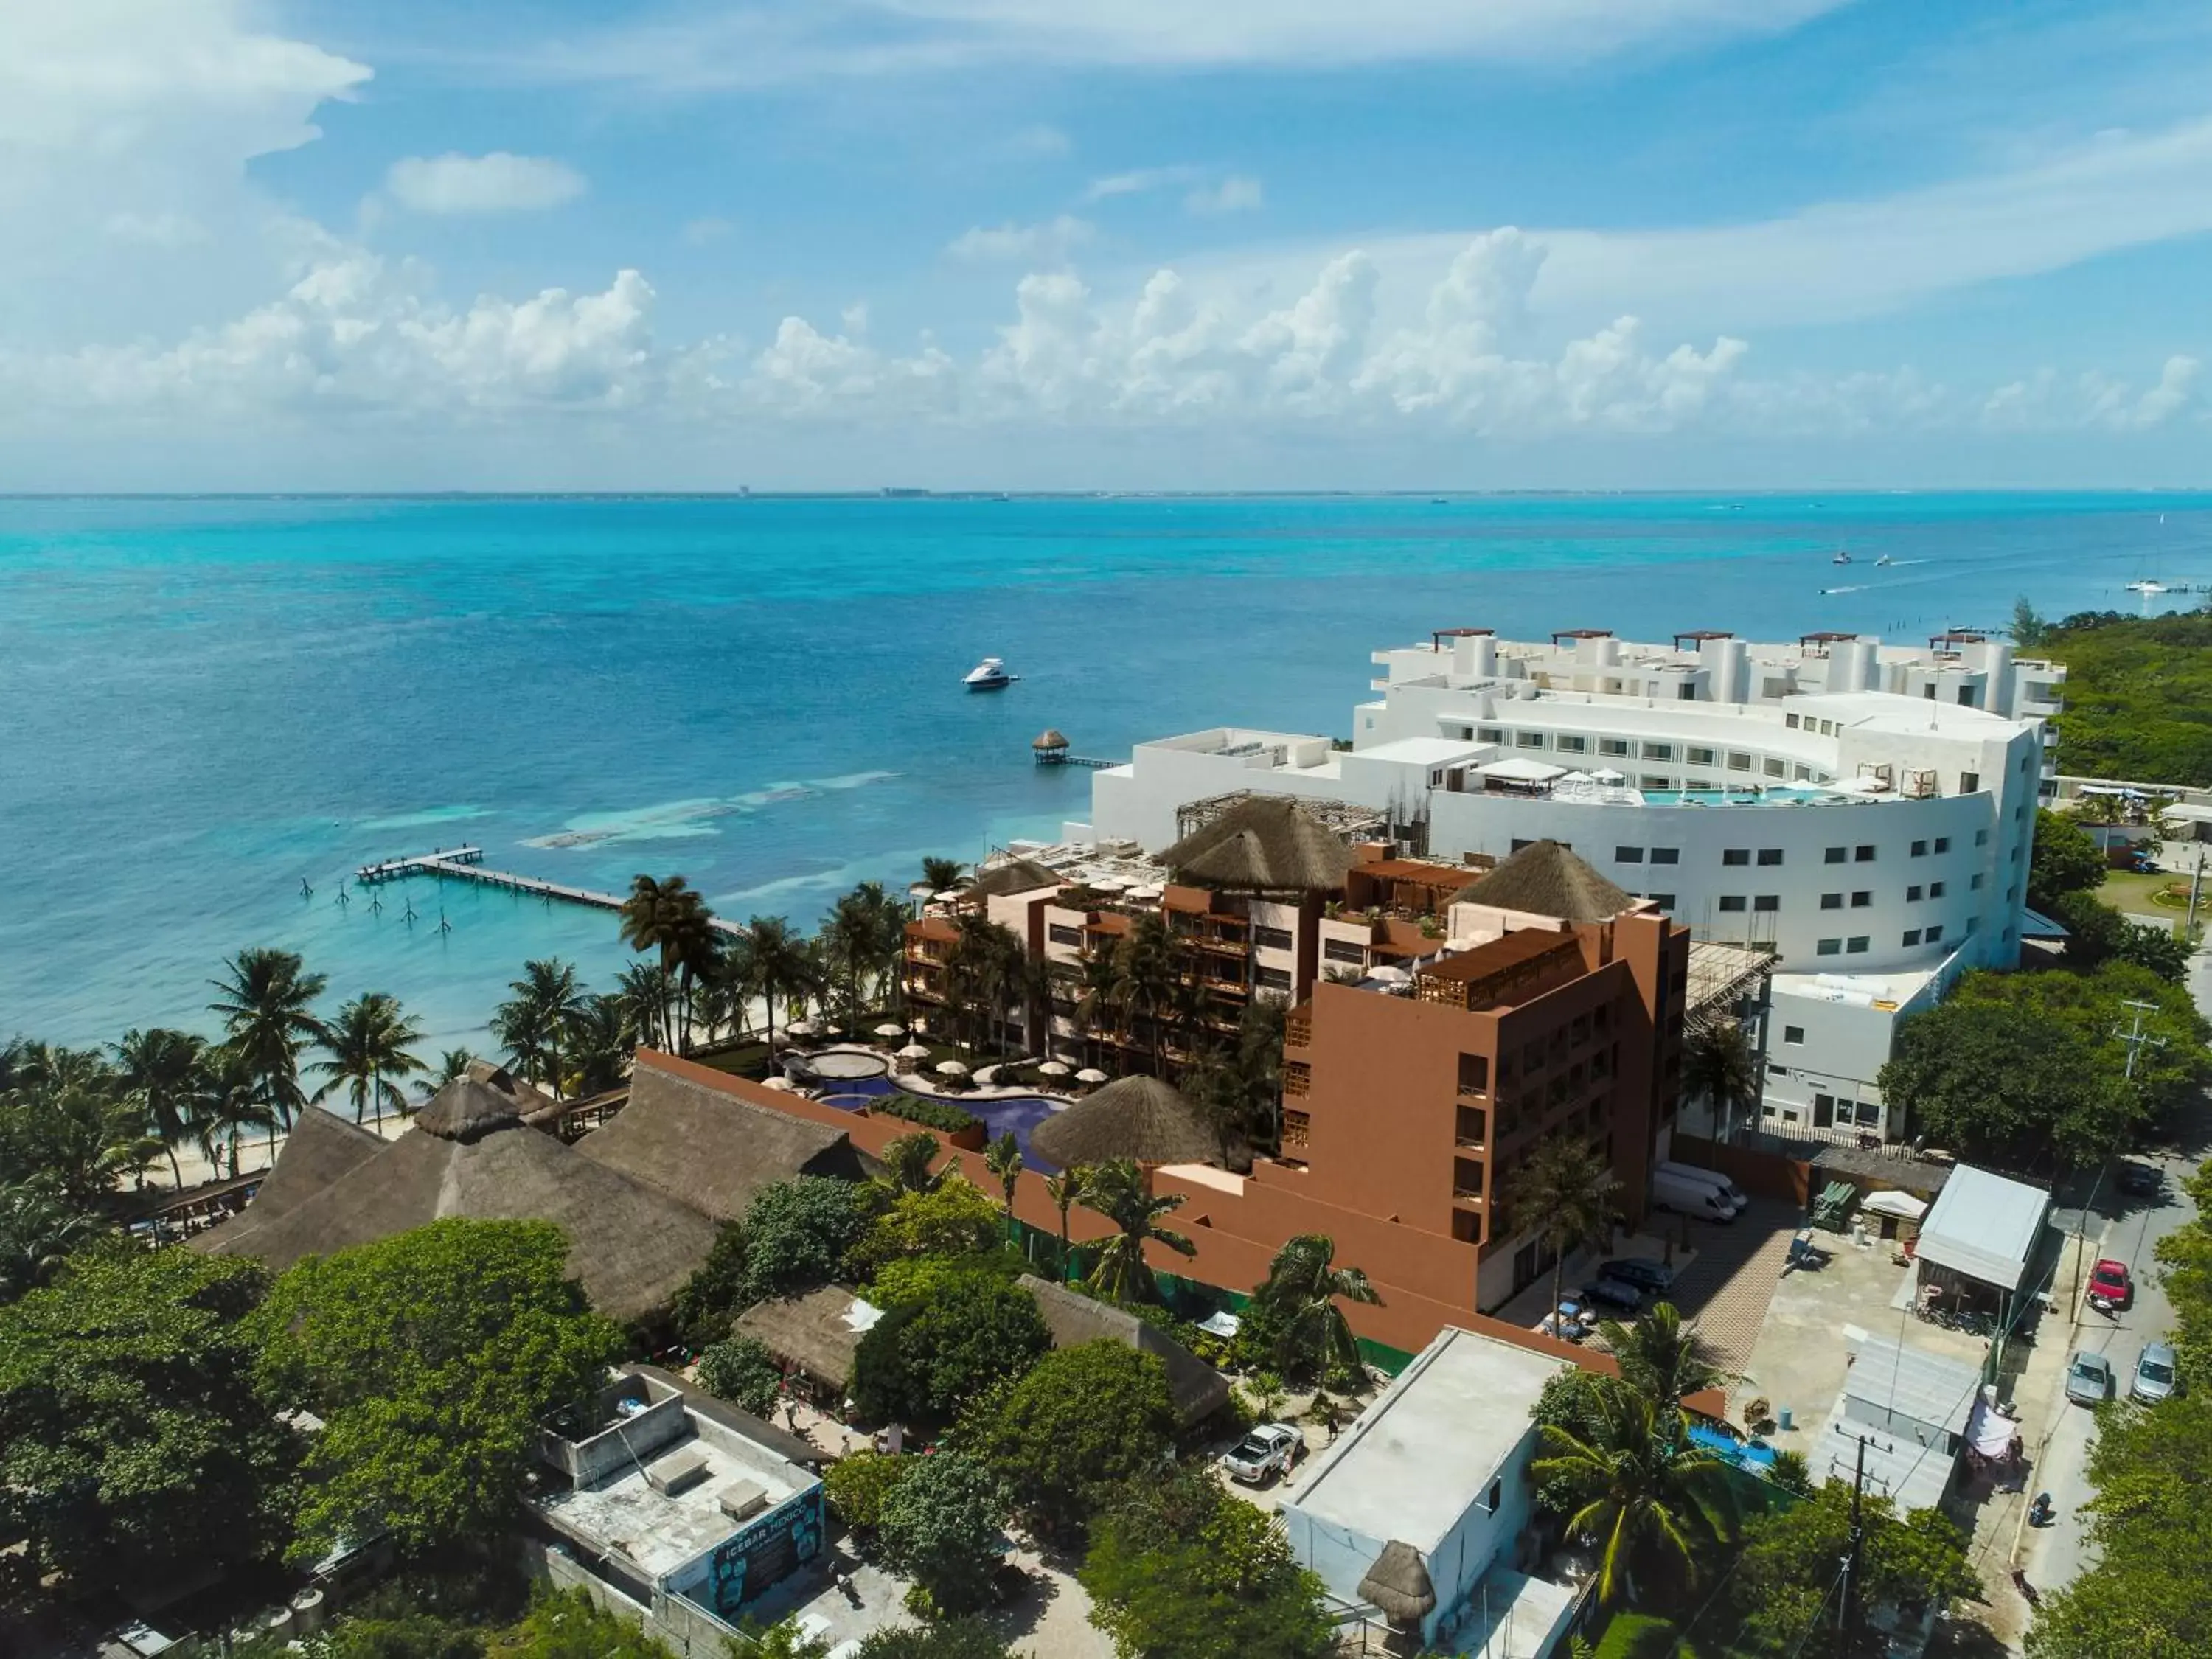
[(1544, 878), (814, 1332), (710, 1148), (320, 1149), (1137, 1116), (1398, 1584), (1015, 876), (483, 1098), (629, 1246), (1264, 844), (1196, 1388)]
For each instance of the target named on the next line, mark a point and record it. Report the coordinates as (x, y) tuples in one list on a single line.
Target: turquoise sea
[(204, 703)]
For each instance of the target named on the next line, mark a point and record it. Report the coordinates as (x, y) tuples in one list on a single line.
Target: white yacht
[(989, 675)]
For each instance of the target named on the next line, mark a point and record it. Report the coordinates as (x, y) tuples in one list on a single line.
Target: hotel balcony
[(1298, 1027), (1297, 1080)]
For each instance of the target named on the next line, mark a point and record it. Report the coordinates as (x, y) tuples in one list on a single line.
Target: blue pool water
[(1015, 1114)]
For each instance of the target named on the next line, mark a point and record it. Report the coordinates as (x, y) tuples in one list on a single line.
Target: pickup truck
[(1265, 1454)]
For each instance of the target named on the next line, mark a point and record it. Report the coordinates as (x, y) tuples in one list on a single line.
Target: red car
[(2109, 1280)]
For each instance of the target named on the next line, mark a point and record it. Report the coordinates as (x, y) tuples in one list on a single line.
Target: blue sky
[(1103, 243)]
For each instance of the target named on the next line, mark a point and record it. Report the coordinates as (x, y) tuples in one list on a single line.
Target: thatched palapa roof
[(1265, 844), (709, 1148), (1398, 1584), (483, 1098), (1544, 878), (818, 1332), (1015, 876), (320, 1149), (1136, 1116), (1051, 737), (1195, 1386)]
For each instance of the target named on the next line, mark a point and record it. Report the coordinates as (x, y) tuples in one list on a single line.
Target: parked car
[(1642, 1272), (2088, 1378), (2156, 1377), (1270, 1451), (2141, 1181), (2112, 1281), (1612, 1293)]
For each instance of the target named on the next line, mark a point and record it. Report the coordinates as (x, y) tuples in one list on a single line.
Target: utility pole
[(2196, 886), (2135, 1039), (1847, 1614), (2134, 1036)]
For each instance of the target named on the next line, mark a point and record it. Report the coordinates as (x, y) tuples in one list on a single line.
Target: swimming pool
[(1014, 1115)]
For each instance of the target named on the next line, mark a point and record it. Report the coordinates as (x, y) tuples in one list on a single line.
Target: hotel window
[(1767, 901), (1665, 855), (1650, 781), (1827, 947), (1775, 768), (1861, 899), (1969, 782), (1801, 772), (1789, 720), (1271, 979), (1732, 901), (1698, 757), (1659, 751), (1628, 855), (1339, 950), (1911, 937), (1573, 745), (1521, 841), (1612, 745), (1831, 901), (1774, 1070), (1934, 889), (1492, 734), (1464, 733), (1739, 761), (1770, 855), (1920, 849), (1856, 946), (1933, 934), (1975, 885), (1863, 854), (1942, 844), (1530, 739), (1793, 1034), (1735, 855), (1271, 938), (1060, 935), (1664, 901), (1981, 838), (1473, 1074), (1912, 895)]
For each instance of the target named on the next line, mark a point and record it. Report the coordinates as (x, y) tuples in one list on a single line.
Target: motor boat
[(1883, 560), (1843, 557), (989, 675)]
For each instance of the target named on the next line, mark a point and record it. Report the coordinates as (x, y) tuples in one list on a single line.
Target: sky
[(1104, 244)]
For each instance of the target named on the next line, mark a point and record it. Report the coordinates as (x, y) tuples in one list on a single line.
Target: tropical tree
[(1118, 1190), (783, 966), (648, 989), (38, 1231), (1066, 1191), (225, 1101), (862, 933), (670, 917), (1084, 1418), (942, 875), (79, 1131), (1098, 994), (601, 1040), (1568, 1188), (1720, 1066), (1302, 1289), (453, 1065), (944, 1525), (266, 999), (1662, 1356), (909, 1163), (156, 1069), (369, 1054), (1149, 968), (531, 1024), (1003, 1158), (2064, 859), (1641, 1490)]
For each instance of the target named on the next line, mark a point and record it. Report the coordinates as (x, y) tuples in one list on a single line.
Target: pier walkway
[(466, 863)]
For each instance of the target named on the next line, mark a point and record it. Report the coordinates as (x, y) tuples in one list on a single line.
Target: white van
[(1672, 1191), (1713, 1178)]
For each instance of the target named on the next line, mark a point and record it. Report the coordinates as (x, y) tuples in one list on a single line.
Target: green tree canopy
[(1179, 1569), (950, 1638), (922, 1362), (1789, 1567), (567, 1624), (132, 1442), (2065, 859), (2138, 696), (944, 1525), (857, 1484), (1084, 1418), (717, 1292), (950, 1218), (431, 1357), (2097, 933), (741, 1370), (797, 1231)]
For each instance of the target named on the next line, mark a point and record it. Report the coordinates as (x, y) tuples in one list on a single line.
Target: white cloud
[(1049, 242), (777, 41), (497, 183), (1235, 194), (1140, 181), (698, 232), (2048, 401)]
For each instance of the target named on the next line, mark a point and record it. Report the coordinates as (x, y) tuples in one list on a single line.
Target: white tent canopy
[(1984, 1226), (1903, 1206), (1515, 770)]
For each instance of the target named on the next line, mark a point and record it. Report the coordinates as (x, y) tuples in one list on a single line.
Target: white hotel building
[(1875, 838)]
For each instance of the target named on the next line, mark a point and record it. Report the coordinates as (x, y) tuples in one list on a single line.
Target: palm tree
[(39, 1229), (601, 1040), (1118, 1190), (226, 1100), (369, 1054), (1304, 1285), (783, 966), (1565, 1183), (1065, 1190), (266, 1002), (1003, 1158), (942, 875), (851, 945), (453, 1065), (668, 917), (80, 1131), (531, 1024), (1644, 1491), (1150, 969), (1661, 1356), (155, 1068), (1098, 994), (1720, 1066), (648, 989), (909, 1164)]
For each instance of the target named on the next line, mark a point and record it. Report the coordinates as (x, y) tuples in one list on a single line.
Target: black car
[(1642, 1272), (2140, 1181), (1612, 1293)]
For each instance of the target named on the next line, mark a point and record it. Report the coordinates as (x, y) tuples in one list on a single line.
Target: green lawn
[(2133, 895)]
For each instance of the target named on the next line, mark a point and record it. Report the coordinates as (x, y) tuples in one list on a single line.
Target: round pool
[(846, 1066)]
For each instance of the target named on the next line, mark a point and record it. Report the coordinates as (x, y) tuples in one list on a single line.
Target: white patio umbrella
[(1390, 975), (887, 1030), (951, 1068), (914, 1051), (1090, 1074), (1052, 1068), (799, 1028), (1607, 775), (948, 896), (783, 1085)]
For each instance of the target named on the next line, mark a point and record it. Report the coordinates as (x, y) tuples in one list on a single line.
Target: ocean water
[(205, 703)]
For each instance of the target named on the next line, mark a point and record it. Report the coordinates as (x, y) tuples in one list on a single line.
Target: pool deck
[(1002, 1109)]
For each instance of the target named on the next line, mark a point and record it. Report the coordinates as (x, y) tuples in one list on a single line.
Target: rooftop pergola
[(1560, 636), (1720, 977), (1439, 636)]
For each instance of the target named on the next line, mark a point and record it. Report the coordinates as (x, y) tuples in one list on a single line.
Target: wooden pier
[(466, 863)]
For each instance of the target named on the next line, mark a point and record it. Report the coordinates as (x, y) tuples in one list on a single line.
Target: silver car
[(2088, 1378), (2155, 1377)]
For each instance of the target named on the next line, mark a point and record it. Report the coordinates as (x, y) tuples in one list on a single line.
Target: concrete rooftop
[(657, 1534)]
